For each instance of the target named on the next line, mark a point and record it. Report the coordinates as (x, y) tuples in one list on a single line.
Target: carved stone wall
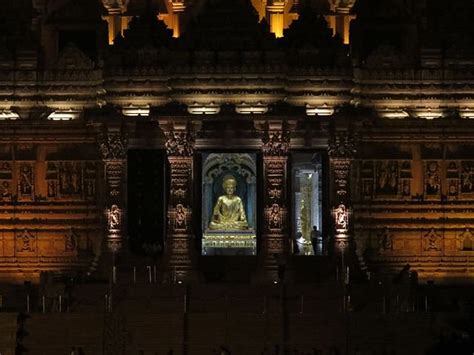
[(414, 207), (49, 218)]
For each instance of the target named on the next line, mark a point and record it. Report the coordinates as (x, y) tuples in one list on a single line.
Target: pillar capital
[(275, 136)]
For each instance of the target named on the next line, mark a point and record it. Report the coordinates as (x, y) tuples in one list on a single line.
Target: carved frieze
[(113, 146)]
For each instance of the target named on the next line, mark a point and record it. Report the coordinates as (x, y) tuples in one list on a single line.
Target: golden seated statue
[(229, 212)]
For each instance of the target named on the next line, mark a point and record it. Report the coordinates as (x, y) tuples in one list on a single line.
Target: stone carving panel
[(467, 177), (432, 241), (25, 243), (385, 179), (26, 181), (432, 181), (341, 218), (71, 180), (465, 241), (70, 241), (385, 239)]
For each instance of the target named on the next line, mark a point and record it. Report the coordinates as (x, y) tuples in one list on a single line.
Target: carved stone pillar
[(113, 148), (275, 239), (341, 151), (180, 140)]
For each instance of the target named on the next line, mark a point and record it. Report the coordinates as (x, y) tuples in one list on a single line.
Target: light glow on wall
[(323, 110), (7, 115), (136, 110), (64, 115), (200, 109)]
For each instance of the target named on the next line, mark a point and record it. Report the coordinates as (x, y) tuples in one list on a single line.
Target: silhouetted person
[(317, 241)]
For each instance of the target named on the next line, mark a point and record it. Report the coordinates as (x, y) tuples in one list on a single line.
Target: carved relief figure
[(385, 240), (115, 215), (26, 180), (341, 217), (432, 241), (25, 242), (180, 217), (467, 177), (70, 177), (275, 217), (387, 178), (432, 179), (229, 212), (52, 188), (70, 241), (406, 189), (5, 192)]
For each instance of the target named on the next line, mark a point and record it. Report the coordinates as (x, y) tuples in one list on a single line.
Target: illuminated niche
[(307, 204), (229, 189)]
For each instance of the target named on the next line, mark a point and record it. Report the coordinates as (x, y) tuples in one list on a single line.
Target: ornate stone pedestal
[(229, 242)]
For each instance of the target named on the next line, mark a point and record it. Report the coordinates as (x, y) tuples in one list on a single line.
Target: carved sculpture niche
[(465, 241), (26, 181), (385, 179), (432, 181), (71, 180), (467, 178)]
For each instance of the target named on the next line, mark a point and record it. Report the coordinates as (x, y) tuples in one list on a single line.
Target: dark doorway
[(146, 200)]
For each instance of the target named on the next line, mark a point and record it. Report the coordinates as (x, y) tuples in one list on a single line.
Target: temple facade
[(121, 119)]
